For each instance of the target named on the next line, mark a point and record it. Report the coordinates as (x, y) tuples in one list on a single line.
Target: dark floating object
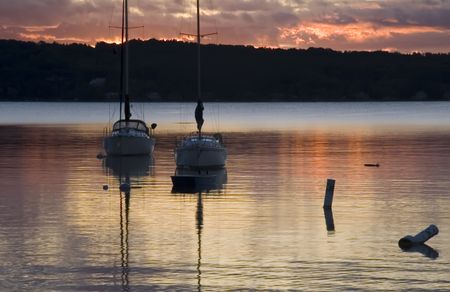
[(372, 164), (193, 183), (125, 187), (424, 249), (100, 156), (105, 187), (409, 241)]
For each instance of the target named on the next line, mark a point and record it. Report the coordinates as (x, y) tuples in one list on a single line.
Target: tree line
[(166, 71)]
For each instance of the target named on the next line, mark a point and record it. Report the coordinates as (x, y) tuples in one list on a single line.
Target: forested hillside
[(166, 70)]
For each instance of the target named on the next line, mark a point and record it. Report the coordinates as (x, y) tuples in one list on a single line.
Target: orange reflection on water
[(266, 223)]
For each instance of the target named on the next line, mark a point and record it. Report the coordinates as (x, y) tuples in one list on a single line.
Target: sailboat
[(199, 150), (128, 136)]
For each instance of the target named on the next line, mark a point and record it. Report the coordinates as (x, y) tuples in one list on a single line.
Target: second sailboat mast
[(126, 62), (199, 83)]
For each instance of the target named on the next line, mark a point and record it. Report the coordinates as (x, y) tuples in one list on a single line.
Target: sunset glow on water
[(265, 229)]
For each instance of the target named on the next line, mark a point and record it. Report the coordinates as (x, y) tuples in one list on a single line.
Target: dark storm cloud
[(395, 13), (30, 12), (48, 12), (55, 20), (284, 18)]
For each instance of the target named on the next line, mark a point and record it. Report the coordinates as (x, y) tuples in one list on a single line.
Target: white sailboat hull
[(200, 157), (128, 145)]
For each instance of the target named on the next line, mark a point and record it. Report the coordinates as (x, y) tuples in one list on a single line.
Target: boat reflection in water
[(424, 249), (329, 220), (127, 169), (124, 219), (190, 181), (131, 166), (199, 182)]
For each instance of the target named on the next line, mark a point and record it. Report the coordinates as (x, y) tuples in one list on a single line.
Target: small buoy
[(105, 187), (125, 187), (100, 156)]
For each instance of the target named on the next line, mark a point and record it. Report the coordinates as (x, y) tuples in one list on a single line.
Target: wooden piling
[(329, 221), (328, 201)]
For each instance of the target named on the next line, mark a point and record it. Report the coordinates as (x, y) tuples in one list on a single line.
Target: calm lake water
[(265, 229)]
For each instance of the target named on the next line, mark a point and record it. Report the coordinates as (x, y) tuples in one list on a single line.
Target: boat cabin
[(137, 125)]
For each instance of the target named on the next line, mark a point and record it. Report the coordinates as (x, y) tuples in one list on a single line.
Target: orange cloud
[(307, 33), (50, 38), (39, 28)]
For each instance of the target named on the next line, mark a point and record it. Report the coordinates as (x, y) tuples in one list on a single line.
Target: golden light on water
[(61, 228)]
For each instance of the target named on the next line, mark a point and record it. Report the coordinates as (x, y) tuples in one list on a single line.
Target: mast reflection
[(199, 225), (127, 170), (214, 181), (124, 219)]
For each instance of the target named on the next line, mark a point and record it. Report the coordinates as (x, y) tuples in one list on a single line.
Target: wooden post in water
[(420, 238), (328, 202), (329, 221)]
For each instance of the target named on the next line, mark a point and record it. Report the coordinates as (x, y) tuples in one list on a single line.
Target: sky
[(393, 25)]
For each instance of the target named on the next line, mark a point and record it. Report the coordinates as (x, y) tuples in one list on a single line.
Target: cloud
[(405, 25), (367, 36), (54, 20), (408, 25)]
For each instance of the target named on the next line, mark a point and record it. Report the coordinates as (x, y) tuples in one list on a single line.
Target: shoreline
[(225, 101)]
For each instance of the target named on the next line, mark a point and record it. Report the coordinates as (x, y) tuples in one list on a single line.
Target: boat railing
[(206, 138), (204, 134)]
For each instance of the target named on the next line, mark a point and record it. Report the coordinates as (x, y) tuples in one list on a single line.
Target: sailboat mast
[(121, 62), (126, 47), (126, 63), (199, 84)]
